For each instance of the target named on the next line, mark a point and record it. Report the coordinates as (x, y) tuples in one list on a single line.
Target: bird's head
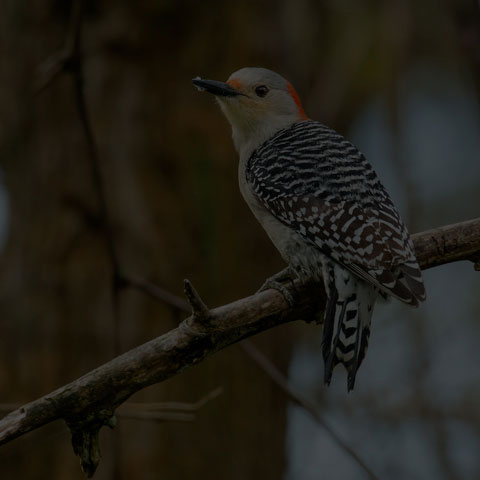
[(257, 102)]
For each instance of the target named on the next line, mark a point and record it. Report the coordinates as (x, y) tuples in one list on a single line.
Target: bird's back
[(317, 183)]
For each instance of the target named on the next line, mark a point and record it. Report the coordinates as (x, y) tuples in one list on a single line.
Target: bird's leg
[(277, 282)]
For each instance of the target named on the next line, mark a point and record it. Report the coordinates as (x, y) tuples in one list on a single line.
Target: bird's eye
[(261, 91)]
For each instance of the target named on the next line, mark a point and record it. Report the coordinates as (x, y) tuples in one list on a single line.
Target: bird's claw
[(275, 284)]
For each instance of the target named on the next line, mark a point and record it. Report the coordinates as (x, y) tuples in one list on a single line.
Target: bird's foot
[(277, 282)]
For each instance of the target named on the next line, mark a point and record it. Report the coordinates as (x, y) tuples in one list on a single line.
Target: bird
[(323, 207)]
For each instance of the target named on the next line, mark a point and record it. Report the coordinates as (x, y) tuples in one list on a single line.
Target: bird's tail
[(346, 327)]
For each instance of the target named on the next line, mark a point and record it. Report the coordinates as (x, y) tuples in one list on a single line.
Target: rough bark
[(89, 402)]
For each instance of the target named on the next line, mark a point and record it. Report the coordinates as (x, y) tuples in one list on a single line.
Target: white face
[(266, 100), (257, 102)]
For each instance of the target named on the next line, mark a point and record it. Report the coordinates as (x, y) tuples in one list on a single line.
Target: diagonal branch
[(261, 360), (101, 391)]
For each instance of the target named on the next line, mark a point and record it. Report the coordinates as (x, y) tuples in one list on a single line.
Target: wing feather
[(323, 187)]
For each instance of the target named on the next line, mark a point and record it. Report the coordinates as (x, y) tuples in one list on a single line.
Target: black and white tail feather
[(348, 315)]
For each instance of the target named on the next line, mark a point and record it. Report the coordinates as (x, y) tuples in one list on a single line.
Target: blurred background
[(400, 78)]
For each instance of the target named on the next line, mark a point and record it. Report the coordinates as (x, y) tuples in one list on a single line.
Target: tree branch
[(261, 360), (93, 398), (451, 243)]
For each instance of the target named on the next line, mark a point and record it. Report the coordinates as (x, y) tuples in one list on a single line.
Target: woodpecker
[(323, 207)]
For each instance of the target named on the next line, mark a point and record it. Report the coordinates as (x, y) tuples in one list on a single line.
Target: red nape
[(296, 99)]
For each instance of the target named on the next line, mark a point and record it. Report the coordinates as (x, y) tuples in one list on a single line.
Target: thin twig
[(147, 406), (200, 311), (166, 411), (70, 60), (282, 382), (61, 61), (156, 292), (176, 406), (92, 150)]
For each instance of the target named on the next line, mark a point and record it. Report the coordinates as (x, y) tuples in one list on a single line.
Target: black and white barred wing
[(314, 181)]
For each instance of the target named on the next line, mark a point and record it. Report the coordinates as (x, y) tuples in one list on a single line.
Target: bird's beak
[(219, 89)]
